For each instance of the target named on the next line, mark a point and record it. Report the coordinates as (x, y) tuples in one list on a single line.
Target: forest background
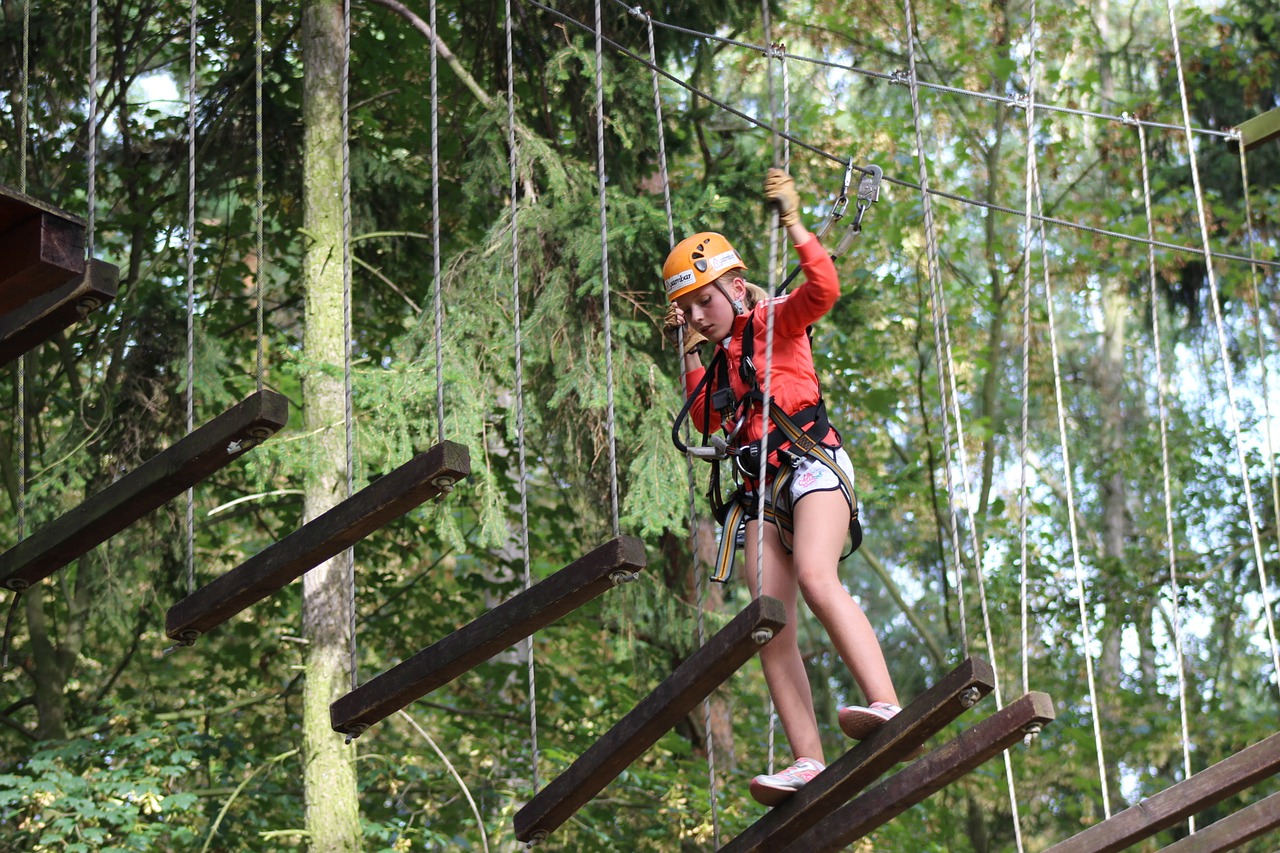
[(108, 743)]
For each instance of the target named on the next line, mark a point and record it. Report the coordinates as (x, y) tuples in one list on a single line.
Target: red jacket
[(793, 383)]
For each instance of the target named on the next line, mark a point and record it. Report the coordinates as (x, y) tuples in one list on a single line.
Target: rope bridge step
[(161, 478), (41, 247), (1253, 821), (568, 589), (669, 703), (1178, 802), (430, 474), (39, 319), (865, 762), (925, 777)]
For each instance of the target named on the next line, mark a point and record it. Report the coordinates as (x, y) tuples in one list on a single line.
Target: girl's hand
[(780, 194), (674, 323)]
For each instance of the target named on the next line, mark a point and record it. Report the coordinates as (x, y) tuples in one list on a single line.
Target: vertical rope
[(91, 200), (699, 578), (935, 286), (21, 368), (774, 242), (1073, 523), (347, 342), (1166, 479), (437, 296), (191, 282), (604, 275), (780, 261), (1258, 332), (24, 114), (513, 159), (1223, 355), (259, 194)]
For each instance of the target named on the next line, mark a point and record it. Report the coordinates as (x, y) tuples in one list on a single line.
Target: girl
[(810, 476)]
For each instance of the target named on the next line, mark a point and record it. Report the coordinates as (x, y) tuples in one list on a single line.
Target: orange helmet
[(698, 260)]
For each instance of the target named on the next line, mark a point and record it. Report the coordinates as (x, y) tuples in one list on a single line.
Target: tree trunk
[(329, 778)]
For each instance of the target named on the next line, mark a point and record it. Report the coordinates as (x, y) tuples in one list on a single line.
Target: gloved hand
[(780, 194), (674, 322)]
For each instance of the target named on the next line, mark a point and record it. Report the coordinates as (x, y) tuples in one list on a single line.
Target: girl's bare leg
[(783, 665), (821, 519)]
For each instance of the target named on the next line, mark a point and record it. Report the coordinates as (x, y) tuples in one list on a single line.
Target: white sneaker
[(772, 790)]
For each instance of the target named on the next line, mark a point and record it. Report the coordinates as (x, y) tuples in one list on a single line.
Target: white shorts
[(813, 476)]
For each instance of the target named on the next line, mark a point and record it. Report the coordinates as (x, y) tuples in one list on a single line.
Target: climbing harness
[(791, 443)]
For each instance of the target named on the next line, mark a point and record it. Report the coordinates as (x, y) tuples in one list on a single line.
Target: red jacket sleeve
[(809, 302)]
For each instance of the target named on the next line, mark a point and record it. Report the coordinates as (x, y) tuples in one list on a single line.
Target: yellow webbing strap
[(728, 542)]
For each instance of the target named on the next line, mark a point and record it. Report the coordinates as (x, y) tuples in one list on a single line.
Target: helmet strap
[(734, 301)]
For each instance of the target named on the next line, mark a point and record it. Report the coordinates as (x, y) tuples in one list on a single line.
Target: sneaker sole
[(767, 796), (859, 725)]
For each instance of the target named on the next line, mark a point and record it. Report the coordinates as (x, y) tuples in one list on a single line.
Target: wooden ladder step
[(24, 328), (430, 474), (161, 478), (41, 248), (931, 711), (669, 703), (1179, 801), (925, 777), (471, 645), (1253, 821)]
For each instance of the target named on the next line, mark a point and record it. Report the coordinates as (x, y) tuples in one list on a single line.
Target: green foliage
[(113, 790)]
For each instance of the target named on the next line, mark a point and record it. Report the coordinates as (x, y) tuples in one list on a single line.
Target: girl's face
[(709, 311)]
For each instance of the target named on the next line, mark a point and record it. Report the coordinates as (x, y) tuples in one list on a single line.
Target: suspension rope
[(513, 159), (947, 371), (1224, 356), (21, 366), (348, 390), (437, 295), (1073, 521), (899, 77), (935, 287), (985, 205), (604, 276), (699, 577), (1030, 155), (190, 520), (768, 379), (1268, 421), (1166, 479), (259, 185), (91, 199)]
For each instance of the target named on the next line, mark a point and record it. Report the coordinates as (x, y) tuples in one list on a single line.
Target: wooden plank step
[(863, 764), (1260, 129), (24, 328), (471, 645), (156, 481), (669, 703), (925, 777), (1253, 821), (41, 248), (1178, 802), (429, 474)]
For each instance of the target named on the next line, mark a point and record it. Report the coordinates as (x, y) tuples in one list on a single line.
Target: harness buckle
[(868, 193)]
